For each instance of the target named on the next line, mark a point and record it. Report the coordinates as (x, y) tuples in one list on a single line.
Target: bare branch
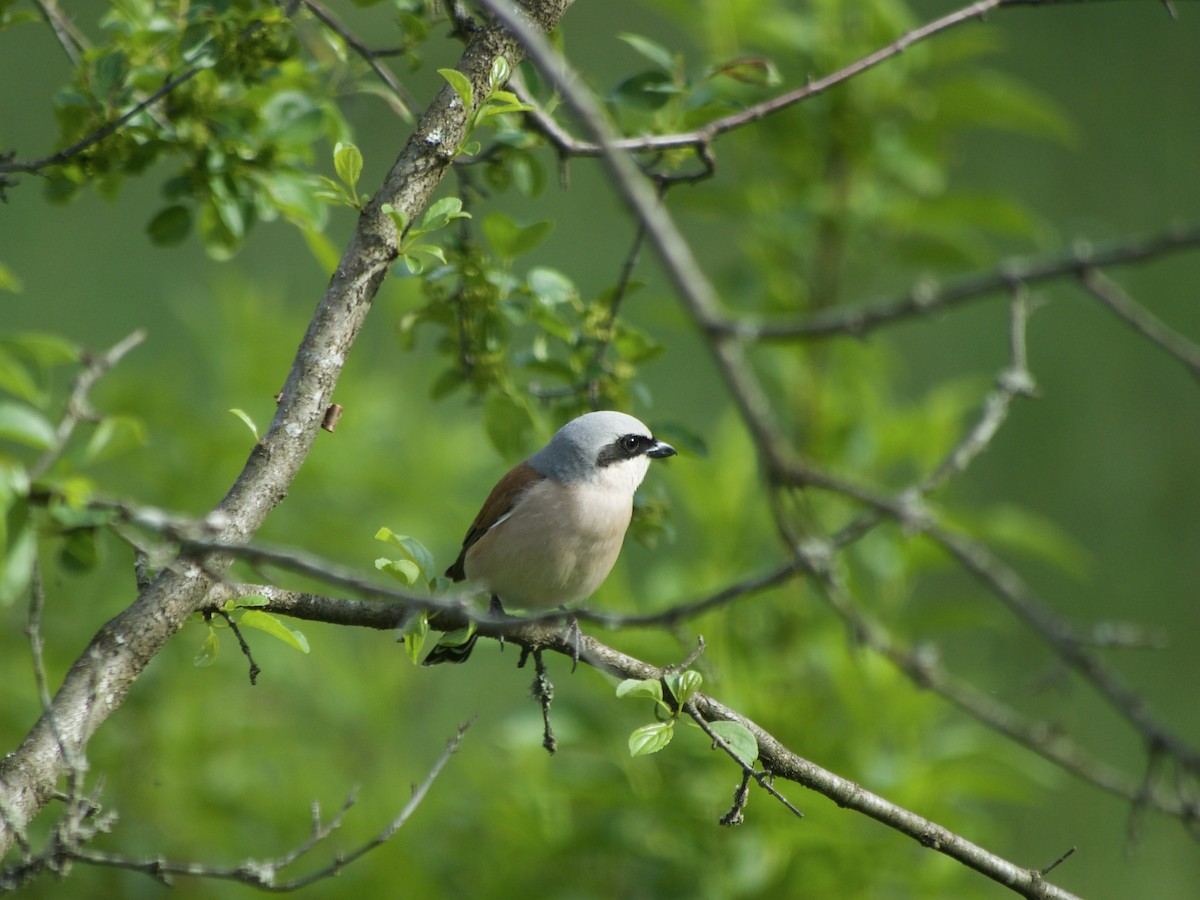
[(62, 156), (927, 297), (77, 409), (371, 57), (701, 138), (265, 874), (68, 36), (1141, 319)]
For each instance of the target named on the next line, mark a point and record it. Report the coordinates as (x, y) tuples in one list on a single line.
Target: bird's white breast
[(559, 542)]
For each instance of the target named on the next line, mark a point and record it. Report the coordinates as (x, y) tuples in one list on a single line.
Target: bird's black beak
[(660, 450)]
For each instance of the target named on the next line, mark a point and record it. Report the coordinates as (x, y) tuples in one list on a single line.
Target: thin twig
[(1141, 319), (762, 779), (264, 874), (701, 138), (77, 409), (101, 133), (927, 297), (68, 36), (371, 57)]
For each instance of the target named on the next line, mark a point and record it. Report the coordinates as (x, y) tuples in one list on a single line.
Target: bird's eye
[(630, 443)]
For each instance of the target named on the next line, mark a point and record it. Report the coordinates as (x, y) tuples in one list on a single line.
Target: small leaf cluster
[(667, 98), (244, 613), (414, 253), (514, 338), (414, 568), (671, 694), (497, 102), (347, 164), (241, 123), (44, 488)]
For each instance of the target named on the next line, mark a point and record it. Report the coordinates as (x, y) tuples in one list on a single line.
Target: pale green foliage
[(668, 707), (244, 614)]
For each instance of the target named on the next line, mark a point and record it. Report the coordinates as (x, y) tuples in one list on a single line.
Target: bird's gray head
[(600, 446)]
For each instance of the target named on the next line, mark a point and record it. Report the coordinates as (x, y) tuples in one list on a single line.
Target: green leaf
[(171, 226), (432, 250), (16, 379), (109, 73), (322, 250), (45, 349), (461, 85), (1036, 536), (348, 163), (992, 99), (403, 570), (457, 638), (291, 117), (450, 380), (25, 425), (550, 286), (70, 513), (635, 346), (656, 53), (499, 74), (683, 685), (293, 195), (645, 92), (411, 547), (208, 650), (510, 425), (751, 70), (16, 568), (739, 738), (650, 688), (415, 634), (254, 618), (75, 491), (80, 551), (651, 738), (9, 280), (114, 435), (511, 240), (249, 422), (399, 216), (528, 175), (442, 213)]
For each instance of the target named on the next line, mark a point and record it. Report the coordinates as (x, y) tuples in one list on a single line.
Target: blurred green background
[(201, 766)]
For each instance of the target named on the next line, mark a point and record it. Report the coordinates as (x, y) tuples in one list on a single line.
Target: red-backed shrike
[(551, 529)]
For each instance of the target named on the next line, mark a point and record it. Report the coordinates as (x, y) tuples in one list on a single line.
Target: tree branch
[(927, 297), (264, 874), (1140, 319), (776, 758), (101, 677)]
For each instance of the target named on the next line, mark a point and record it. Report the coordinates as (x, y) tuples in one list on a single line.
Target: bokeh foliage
[(522, 318)]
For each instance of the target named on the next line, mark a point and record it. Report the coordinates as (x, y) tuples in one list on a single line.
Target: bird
[(551, 529)]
